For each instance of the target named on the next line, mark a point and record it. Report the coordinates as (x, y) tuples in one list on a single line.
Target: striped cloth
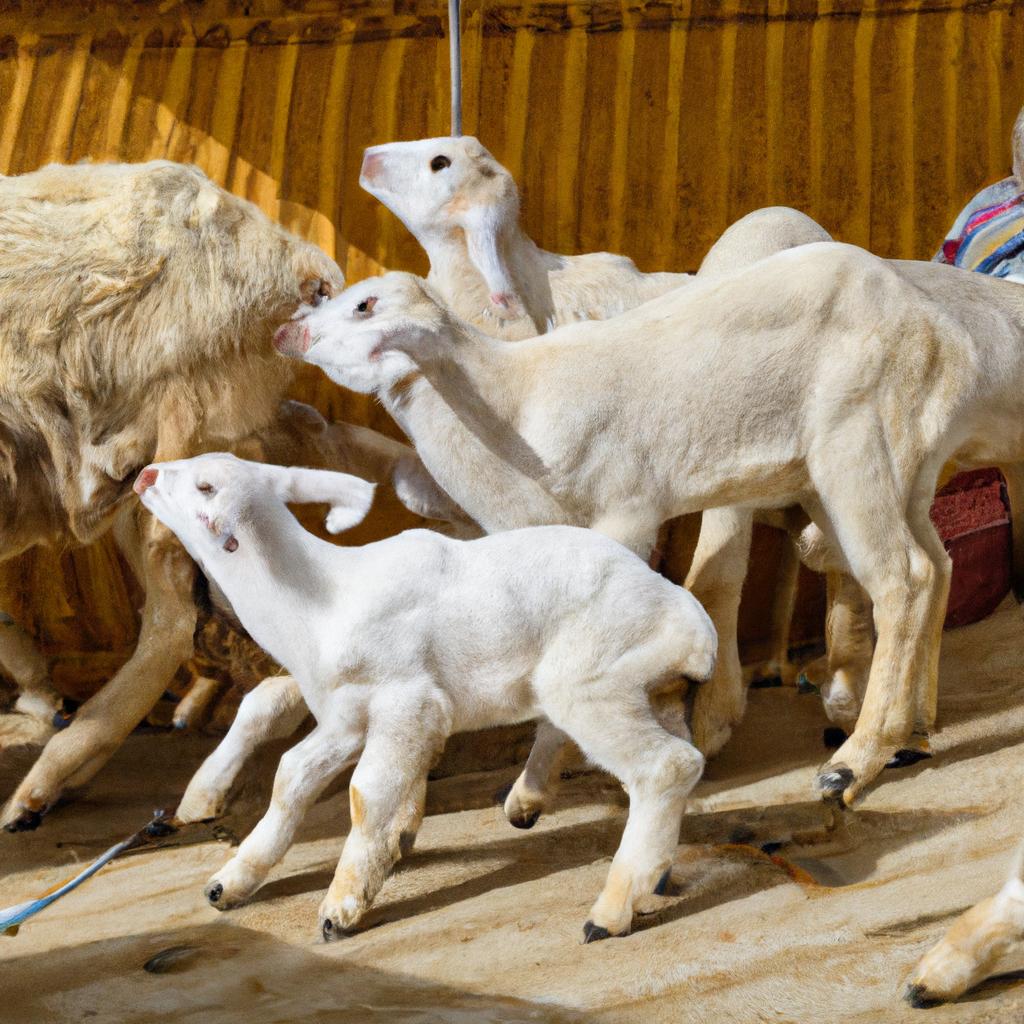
[(988, 236)]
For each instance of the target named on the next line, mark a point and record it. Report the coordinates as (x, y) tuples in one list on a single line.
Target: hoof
[(908, 756), (594, 933), (406, 841), (770, 848), (330, 932), (62, 719), (917, 996), (27, 821), (804, 685), (834, 781), (664, 883), (833, 737), (213, 893), (525, 820), (766, 682), (502, 794)]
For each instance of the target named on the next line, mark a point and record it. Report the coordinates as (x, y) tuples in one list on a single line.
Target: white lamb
[(398, 644), (859, 379)]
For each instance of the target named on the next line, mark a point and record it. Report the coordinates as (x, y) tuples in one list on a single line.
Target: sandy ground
[(483, 923)]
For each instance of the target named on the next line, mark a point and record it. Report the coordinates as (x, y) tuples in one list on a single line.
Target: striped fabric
[(988, 236)]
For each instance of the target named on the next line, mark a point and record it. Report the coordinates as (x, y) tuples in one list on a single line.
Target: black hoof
[(766, 682), (214, 892), (27, 821), (406, 841), (833, 737), (664, 886), (328, 931), (770, 848), (905, 758), (62, 719), (592, 933), (917, 996), (502, 795), (804, 685), (525, 820), (834, 782)]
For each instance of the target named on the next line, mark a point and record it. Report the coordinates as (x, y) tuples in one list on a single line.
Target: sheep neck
[(281, 583), (469, 443), (462, 285)]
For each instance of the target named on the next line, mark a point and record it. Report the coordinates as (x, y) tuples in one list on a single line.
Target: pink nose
[(373, 164), (292, 339), (145, 479)]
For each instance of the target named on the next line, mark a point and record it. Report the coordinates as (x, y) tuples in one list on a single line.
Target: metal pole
[(455, 59)]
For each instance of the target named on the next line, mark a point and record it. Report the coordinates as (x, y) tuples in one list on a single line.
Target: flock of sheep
[(793, 379)]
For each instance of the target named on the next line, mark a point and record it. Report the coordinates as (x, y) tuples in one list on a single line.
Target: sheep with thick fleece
[(859, 379), (398, 644), (136, 306)]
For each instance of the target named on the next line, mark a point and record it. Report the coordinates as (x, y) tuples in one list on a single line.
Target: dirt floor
[(483, 923)]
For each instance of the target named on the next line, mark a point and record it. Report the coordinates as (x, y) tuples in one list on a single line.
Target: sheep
[(398, 644), (970, 948), (462, 206), (860, 379), (136, 304)]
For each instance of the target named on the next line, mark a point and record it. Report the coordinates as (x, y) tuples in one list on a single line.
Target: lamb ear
[(350, 503), (483, 226)]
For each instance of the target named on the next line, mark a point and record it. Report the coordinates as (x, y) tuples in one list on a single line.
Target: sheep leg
[(849, 636), (73, 756), (778, 666), (192, 708), (899, 566), (658, 770), (32, 721), (530, 792), (303, 774), (969, 950), (384, 796), (273, 710), (716, 579)]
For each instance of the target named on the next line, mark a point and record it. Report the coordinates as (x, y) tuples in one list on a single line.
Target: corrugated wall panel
[(642, 127)]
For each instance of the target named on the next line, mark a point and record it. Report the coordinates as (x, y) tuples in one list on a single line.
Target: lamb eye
[(439, 163), (366, 306), (205, 488)]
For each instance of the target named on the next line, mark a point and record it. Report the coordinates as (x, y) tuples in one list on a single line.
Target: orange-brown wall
[(644, 128)]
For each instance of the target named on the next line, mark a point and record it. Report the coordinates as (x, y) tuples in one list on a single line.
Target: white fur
[(396, 645), (859, 379)]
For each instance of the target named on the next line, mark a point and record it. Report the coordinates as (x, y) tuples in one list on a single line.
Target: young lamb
[(398, 644), (859, 379)]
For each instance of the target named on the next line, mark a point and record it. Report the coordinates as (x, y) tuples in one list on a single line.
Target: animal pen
[(639, 127)]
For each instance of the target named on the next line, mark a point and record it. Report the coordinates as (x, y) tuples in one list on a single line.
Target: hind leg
[(1014, 475), (850, 639), (716, 579), (531, 792), (615, 726), (969, 950)]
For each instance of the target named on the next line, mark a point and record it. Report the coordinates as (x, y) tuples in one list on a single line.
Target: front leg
[(304, 773), (273, 710), (73, 756), (38, 701), (716, 579), (405, 736)]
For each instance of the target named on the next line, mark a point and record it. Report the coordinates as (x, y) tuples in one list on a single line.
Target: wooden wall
[(640, 127)]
